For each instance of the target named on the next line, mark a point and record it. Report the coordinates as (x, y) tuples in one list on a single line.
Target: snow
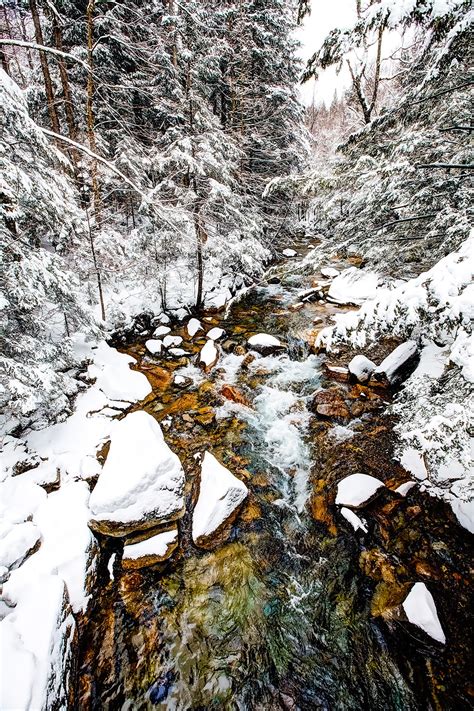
[(264, 340), (215, 333), (172, 341), (289, 253), (464, 512), (420, 610), (17, 542), (114, 377), (209, 354), (220, 493), (353, 286), (161, 331), (154, 346), (178, 352), (412, 460), (19, 499), (404, 488), (329, 272), (193, 327), (356, 489), (353, 519), (142, 480), (361, 368), (179, 380), (394, 363), (156, 546)]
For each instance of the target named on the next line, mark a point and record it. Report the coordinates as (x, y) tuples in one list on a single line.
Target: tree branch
[(462, 166), (408, 219), (43, 48)]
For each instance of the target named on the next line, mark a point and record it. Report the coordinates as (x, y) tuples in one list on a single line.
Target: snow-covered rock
[(420, 610), (464, 512), (19, 498), (215, 333), (142, 482), (264, 343), (220, 493), (154, 346), (150, 551), (193, 326), (329, 272), (361, 368), (209, 355), (412, 460), (114, 378), (353, 286), (404, 488), (357, 489), (397, 364), (36, 648), (172, 341), (289, 252), (178, 352), (161, 331), (353, 519), (18, 542)]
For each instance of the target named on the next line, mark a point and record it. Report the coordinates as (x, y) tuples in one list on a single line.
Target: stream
[(290, 608)]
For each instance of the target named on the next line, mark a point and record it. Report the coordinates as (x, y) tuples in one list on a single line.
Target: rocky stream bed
[(286, 606)]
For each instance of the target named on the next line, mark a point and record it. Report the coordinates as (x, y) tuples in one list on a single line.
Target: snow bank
[(220, 493), (420, 610), (142, 481), (356, 489)]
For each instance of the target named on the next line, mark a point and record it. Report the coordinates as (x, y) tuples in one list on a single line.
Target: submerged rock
[(361, 368), (420, 610), (220, 494), (398, 365), (357, 489), (142, 482)]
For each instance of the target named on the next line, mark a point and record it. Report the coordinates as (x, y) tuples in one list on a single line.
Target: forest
[(236, 354)]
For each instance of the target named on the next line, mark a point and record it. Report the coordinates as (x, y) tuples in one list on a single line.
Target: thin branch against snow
[(44, 48), (467, 166), (408, 219)]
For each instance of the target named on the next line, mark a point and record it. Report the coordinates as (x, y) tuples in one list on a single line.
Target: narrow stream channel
[(279, 614)]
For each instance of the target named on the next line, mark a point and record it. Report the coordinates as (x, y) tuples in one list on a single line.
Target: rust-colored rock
[(232, 393), (330, 403)]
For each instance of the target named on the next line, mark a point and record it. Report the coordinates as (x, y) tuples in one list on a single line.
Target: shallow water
[(280, 614)]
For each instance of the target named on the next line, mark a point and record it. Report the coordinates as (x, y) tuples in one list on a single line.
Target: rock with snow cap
[(172, 341), (329, 272), (356, 490), (361, 368), (215, 333), (420, 610), (220, 494), (208, 356), (352, 518), (19, 541), (289, 252), (142, 482), (150, 551), (161, 331), (154, 346), (193, 326), (264, 343), (398, 365)]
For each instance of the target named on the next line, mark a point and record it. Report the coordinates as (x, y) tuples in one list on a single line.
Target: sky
[(325, 15)]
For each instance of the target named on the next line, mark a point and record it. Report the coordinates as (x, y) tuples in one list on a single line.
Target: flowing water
[(288, 610)]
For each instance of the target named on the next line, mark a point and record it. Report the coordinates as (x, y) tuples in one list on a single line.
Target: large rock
[(398, 365), (361, 368), (142, 482), (420, 610), (220, 494), (264, 343), (330, 403), (357, 489)]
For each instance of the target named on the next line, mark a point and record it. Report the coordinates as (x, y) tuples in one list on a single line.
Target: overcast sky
[(325, 15)]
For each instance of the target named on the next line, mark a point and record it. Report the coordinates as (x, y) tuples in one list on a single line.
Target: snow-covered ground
[(52, 551), (435, 407)]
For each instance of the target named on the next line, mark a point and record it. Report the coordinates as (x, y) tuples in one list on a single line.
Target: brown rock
[(336, 372), (330, 403), (239, 350), (233, 394), (249, 358)]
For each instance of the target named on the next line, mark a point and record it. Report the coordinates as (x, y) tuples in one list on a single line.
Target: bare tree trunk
[(90, 108), (96, 266), (48, 85), (15, 55), (378, 64), (200, 239), (174, 34)]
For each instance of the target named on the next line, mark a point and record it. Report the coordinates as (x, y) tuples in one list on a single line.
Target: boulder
[(150, 551), (420, 610), (220, 495), (329, 272), (329, 403), (361, 368), (398, 365), (357, 489), (19, 541), (142, 482), (193, 326), (215, 333), (264, 343), (172, 341), (208, 356)]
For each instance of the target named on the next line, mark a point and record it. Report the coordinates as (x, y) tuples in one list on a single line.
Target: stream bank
[(291, 608)]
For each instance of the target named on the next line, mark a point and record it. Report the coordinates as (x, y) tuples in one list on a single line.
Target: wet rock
[(361, 368), (150, 551), (142, 482), (239, 350), (205, 416), (329, 403), (229, 345), (220, 495), (397, 366), (264, 343), (232, 393), (357, 490)]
